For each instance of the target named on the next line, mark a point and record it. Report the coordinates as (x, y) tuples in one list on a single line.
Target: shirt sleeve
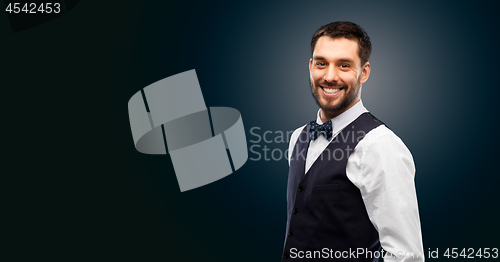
[(382, 168)]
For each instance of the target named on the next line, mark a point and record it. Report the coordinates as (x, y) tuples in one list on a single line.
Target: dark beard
[(345, 103)]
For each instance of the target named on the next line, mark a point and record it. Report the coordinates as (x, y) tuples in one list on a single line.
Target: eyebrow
[(341, 60), (318, 58), (345, 60)]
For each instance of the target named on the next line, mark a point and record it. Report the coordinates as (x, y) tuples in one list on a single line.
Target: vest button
[(290, 233), (300, 189), (295, 211)]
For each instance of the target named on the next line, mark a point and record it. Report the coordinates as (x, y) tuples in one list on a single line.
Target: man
[(351, 181)]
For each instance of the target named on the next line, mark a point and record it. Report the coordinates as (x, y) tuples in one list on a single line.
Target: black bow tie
[(325, 130)]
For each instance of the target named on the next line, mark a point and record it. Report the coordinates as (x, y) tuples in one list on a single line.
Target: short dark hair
[(349, 30)]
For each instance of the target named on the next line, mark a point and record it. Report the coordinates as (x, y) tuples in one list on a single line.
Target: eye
[(320, 64), (344, 65)]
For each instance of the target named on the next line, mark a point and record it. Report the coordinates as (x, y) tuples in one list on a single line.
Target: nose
[(331, 75)]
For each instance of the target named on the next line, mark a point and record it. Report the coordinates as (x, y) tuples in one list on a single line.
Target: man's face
[(336, 74)]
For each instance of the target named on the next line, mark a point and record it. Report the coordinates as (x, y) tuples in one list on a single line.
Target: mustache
[(330, 85)]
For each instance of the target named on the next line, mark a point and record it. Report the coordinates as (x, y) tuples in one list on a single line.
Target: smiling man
[(351, 183)]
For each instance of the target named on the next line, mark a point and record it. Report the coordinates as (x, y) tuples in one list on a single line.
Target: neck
[(325, 116)]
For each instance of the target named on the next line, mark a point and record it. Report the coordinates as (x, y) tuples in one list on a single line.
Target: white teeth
[(331, 90)]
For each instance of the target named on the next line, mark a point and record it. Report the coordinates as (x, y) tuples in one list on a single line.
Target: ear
[(310, 64), (365, 73)]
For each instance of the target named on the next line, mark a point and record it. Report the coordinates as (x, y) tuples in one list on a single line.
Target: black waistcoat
[(325, 209)]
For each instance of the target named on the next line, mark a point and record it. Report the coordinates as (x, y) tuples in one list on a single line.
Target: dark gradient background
[(86, 194)]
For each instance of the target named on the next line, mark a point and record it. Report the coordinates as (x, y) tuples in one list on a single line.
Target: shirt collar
[(342, 120)]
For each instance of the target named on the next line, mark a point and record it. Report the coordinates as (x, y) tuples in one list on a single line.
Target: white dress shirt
[(382, 168)]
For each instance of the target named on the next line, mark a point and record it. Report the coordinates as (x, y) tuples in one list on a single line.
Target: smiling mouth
[(331, 91)]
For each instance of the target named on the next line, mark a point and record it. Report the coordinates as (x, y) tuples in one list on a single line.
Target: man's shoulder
[(293, 141), (296, 134), (382, 147), (381, 132), (381, 138)]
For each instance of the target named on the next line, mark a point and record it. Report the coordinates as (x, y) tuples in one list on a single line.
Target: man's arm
[(382, 168)]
